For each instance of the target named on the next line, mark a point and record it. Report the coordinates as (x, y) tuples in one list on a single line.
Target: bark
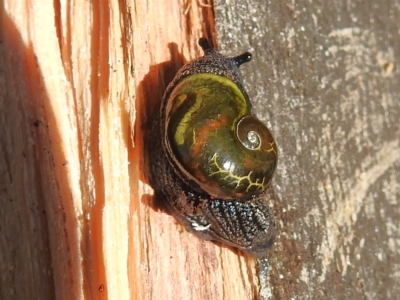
[(325, 79)]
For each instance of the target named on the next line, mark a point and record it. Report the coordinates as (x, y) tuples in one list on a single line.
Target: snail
[(211, 159)]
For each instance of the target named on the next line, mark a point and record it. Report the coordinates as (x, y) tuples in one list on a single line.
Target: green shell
[(215, 140)]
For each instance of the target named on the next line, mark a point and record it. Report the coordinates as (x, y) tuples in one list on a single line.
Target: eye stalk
[(205, 45), (242, 58)]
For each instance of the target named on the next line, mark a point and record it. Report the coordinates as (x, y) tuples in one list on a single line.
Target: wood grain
[(79, 82)]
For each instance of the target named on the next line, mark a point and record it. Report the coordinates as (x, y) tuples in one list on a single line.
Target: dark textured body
[(245, 224)]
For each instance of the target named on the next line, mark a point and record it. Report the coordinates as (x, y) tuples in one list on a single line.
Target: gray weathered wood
[(324, 77)]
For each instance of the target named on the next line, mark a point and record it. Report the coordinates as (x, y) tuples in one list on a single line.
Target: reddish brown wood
[(76, 218)]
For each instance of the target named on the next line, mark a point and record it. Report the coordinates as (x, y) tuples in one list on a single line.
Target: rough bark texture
[(325, 79)]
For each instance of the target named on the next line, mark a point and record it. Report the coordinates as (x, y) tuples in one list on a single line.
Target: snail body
[(212, 159)]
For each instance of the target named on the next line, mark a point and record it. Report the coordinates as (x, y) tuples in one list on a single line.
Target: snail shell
[(213, 138), (210, 158)]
